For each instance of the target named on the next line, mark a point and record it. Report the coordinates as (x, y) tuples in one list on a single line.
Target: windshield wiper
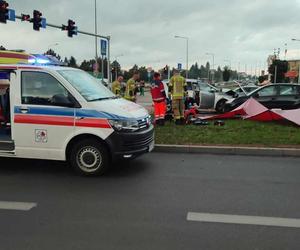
[(104, 98)]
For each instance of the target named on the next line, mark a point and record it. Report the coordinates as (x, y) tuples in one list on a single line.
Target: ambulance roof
[(31, 67)]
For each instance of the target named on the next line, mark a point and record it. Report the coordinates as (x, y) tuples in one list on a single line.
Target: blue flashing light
[(42, 61)]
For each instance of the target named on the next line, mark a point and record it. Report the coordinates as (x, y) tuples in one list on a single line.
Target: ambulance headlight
[(124, 125)]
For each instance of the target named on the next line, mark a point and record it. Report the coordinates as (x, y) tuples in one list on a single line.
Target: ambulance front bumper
[(131, 145)]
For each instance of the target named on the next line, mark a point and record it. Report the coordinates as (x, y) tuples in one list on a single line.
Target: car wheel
[(220, 107), (89, 158)]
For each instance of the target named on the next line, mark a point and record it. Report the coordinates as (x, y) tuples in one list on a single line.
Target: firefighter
[(131, 86), (177, 88), (159, 100), (116, 86)]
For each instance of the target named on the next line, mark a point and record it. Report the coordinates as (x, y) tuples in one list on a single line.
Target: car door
[(267, 96), (43, 116), (288, 97)]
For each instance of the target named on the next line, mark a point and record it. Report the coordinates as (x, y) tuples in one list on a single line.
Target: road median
[(228, 150)]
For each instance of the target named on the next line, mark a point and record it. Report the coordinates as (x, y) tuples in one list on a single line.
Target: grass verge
[(235, 132)]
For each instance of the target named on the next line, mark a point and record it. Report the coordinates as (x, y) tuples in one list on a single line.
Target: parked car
[(273, 96)]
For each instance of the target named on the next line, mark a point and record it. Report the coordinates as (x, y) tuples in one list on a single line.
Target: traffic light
[(25, 17), (71, 28), (37, 20), (4, 11)]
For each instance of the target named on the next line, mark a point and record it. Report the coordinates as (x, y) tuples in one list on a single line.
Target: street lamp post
[(187, 54), (297, 40), (116, 58), (213, 66)]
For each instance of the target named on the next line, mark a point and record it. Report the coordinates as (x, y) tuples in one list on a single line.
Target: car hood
[(119, 109)]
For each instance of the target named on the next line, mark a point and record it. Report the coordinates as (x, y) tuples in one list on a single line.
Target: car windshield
[(88, 86)]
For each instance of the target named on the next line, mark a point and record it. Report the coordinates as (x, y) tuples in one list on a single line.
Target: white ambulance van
[(60, 113)]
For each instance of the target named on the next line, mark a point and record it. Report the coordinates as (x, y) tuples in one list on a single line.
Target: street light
[(187, 53), (297, 40), (213, 65), (116, 58)]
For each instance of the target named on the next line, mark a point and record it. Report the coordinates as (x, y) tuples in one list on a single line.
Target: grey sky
[(238, 30)]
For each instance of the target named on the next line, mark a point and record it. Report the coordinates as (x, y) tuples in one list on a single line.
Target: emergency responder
[(131, 86), (116, 86), (177, 88), (159, 100)]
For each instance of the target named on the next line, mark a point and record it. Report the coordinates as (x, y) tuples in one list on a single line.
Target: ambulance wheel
[(89, 158)]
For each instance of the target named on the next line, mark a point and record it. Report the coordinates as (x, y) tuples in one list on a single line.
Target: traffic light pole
[(87, 34)]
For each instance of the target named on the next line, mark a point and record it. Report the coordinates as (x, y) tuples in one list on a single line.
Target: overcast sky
[(143, 31)]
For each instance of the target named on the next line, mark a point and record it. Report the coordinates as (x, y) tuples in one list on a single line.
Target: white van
[(59, 113)]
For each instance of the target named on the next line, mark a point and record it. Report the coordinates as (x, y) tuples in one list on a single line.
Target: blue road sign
[(11, 15), (103, 46), (179, 66), (44, 23)]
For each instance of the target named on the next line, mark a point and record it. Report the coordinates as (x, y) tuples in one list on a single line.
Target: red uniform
[(159, 100)]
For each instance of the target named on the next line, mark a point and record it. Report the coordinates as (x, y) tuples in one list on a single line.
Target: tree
[(280, 67), (72, 62), (226, 74), (52, 53)]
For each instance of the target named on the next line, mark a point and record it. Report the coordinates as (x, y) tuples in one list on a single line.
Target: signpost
[(103, 46), (179, 67)]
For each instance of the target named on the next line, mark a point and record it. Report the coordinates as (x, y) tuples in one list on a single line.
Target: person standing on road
[(159, 100), (177, 88), (142, 88), (131, 86), (116, 86)]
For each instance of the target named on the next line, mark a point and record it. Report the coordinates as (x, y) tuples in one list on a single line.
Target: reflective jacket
[(158, 91), (116, 87), (129, 92), (177, 87)]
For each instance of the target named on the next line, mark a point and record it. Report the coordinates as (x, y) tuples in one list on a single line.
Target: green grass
[(235, 132)]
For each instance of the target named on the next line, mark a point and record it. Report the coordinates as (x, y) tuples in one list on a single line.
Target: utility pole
[(96, 41), (187, 54)]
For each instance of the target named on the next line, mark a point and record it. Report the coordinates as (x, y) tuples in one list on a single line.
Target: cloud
[(241, 31)]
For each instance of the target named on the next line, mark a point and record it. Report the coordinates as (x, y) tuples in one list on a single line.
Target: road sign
[(103, 45), (179, 67)]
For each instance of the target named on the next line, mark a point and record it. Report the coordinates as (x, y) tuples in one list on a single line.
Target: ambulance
[(61, 113)]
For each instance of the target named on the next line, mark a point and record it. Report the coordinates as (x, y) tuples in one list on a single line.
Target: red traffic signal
[(25, 17), (3, 11)]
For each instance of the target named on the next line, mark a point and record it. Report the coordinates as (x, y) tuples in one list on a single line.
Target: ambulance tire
[(89, 157)]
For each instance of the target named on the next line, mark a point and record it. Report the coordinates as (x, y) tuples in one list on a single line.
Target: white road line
[(241, 219), (22, 206)]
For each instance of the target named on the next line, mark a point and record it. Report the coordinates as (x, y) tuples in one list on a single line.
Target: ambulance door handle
[(24, 110), (79, 118)]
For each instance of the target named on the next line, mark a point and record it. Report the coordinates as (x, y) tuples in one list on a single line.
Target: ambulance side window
[(43, 89)]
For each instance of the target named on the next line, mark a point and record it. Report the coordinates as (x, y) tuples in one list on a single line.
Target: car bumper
[(131, 145)]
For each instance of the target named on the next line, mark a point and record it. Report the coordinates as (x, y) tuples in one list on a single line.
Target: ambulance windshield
[(88, 86)]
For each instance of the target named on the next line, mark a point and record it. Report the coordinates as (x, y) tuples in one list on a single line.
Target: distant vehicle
[(273, 96)]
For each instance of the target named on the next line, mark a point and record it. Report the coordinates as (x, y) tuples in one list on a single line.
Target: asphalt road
[(144, 205)]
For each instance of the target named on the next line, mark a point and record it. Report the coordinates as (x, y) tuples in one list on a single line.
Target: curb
[(227, 150)]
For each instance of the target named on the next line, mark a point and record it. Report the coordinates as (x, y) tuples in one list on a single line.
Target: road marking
[(22, 206), (242, 219)]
